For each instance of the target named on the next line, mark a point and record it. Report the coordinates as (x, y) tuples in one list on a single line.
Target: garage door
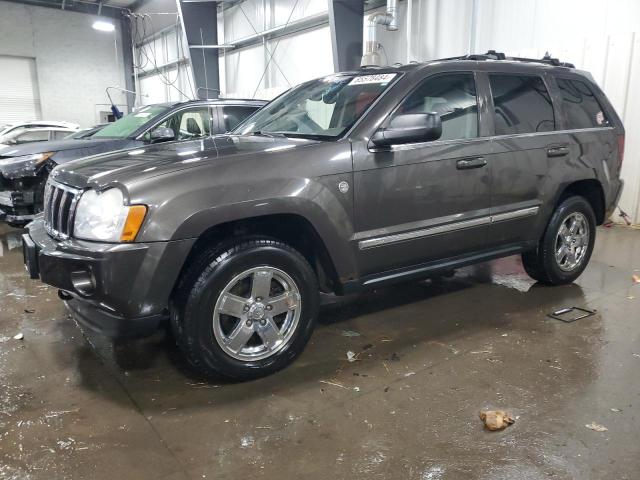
[(19, 93)]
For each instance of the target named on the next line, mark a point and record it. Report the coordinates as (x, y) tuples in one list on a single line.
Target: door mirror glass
[(409, 128), (162, 134)]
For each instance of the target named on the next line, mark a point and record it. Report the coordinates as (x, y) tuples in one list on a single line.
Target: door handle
[(557, 151), (468, 163)]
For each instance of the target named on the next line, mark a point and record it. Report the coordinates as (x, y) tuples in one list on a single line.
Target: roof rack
[(493, 55)]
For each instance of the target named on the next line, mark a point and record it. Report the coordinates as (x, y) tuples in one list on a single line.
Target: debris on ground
[(636, 278), (408, 374), (18, 336), (395, 357), (335, 384), (596, 427), (29, 310), (496, 419), (351, 357), (350, 333), (615, 410)]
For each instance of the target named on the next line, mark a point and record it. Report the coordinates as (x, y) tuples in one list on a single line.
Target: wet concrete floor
[(430, 355)]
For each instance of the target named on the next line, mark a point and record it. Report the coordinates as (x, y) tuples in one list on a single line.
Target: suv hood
[(152, 160)]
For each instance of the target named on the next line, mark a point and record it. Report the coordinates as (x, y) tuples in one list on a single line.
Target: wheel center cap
[(257, 311)]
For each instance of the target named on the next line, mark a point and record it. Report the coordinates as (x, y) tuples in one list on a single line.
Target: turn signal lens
[(132, 225)]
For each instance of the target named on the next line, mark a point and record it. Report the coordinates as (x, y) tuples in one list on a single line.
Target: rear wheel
[(566, 246), (247, 311)]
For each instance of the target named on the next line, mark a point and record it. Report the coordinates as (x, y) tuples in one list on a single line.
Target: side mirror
[(409, 128), (162, 134)]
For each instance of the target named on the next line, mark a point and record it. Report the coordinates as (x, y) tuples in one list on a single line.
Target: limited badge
[(343, 187)]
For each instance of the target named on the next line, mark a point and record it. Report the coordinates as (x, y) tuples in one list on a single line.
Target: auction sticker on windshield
[(380, 78)]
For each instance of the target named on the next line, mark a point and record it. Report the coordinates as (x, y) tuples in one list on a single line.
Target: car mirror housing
[(162, 134), (409, 128)]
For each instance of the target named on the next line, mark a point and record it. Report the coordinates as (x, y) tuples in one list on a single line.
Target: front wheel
[(565, 249), (247, 311)]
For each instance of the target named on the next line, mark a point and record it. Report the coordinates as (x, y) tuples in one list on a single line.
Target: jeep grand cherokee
[(347, 182)]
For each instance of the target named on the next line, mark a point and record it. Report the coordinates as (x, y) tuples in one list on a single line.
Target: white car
[(21, 135), (36, 124)]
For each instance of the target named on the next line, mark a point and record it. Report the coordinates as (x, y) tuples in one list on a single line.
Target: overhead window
[(522, 104), (453, 97), (581, 108)]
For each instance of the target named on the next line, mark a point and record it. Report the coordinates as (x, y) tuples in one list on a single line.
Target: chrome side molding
[(450, 227)]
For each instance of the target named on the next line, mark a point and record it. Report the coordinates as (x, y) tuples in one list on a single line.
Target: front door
[(423, 202)]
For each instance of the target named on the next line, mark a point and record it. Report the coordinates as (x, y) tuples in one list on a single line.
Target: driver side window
[(453, 97), (188, 124)]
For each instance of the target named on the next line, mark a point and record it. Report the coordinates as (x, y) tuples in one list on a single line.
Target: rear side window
[(580, 106), (234, 115), (453, 96), (522, 104)]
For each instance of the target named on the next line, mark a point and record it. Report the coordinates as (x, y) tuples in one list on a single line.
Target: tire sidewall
[(200, 305), (566, 208)]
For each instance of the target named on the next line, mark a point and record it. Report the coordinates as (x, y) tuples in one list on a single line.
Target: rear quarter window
[(580, 106), (522, 104)]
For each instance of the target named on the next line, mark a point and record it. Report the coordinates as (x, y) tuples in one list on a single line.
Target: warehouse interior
[(396, 380)]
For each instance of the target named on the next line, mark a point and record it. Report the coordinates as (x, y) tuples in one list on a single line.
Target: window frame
[(479, 94), (550, 91)]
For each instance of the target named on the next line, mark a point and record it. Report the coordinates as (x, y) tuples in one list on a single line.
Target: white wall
[(298, 57), (157, 84), (74, 63)]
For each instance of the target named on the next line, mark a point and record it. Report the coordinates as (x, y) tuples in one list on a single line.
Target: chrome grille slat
[(59, 209)]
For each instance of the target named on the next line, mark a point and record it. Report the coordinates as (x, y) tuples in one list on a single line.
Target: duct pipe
[(389, 18)]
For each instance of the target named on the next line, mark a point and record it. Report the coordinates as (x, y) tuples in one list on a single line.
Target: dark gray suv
[(344, 183)]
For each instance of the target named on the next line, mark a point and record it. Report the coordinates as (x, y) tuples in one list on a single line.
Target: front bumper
[(116, 289)]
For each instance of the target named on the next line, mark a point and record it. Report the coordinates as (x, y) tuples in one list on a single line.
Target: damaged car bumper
[(116, 289), (21, 187), (16, 206)]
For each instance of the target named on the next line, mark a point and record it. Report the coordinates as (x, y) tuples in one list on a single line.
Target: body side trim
[(450, 227)]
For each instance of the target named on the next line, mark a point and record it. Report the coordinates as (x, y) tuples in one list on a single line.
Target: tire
[(215, 283), (542, 265)]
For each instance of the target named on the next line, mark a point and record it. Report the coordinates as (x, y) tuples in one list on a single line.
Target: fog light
[(83, 282)]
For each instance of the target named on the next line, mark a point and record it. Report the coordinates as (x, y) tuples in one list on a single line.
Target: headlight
[(103, 216), (24, 165)]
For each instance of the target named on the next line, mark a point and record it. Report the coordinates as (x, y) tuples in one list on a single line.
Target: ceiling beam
[(87, 7)]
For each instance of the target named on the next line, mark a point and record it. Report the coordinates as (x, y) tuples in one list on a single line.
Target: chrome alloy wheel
[(572, 241), (257, 313)]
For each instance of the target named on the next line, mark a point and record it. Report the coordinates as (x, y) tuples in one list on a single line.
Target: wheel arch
[(591, 190), (293, 229)]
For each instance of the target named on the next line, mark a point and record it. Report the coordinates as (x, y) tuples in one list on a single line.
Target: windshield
[(127, 125), (323, 108)]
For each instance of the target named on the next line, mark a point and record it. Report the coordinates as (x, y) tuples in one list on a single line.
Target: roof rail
[(493, 55)]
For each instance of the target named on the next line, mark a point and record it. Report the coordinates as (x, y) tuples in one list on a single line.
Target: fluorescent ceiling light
[(104, 26)]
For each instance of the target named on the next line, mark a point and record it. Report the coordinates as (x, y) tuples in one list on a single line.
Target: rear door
[(524, 142), (428, 201)]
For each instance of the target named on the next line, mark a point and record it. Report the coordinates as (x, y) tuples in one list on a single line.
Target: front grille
[(59, 209)]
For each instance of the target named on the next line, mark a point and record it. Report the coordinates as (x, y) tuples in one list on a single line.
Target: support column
[(200, 26), (346, 21), (127, 61)]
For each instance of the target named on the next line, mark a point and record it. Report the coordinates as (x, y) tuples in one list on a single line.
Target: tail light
[(620, 150)]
